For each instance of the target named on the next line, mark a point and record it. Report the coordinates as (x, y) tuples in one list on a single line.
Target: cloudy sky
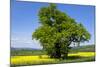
[(24, 21)]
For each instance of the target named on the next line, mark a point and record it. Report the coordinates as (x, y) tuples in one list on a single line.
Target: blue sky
[(24, 21)]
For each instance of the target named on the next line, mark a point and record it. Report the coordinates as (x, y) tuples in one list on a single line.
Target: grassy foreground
[(44, 59)]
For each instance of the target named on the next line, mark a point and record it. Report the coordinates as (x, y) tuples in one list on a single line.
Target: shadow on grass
[(74, 57)]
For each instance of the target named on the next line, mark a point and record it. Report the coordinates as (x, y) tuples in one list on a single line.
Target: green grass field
[(36, 57)]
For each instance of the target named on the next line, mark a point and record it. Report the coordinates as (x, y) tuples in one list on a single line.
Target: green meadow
[(35, 57)]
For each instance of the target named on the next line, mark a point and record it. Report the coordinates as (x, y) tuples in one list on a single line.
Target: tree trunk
[(65, 54), (57, 51)]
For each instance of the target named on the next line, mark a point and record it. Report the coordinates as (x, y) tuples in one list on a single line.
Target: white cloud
[(25, 42)]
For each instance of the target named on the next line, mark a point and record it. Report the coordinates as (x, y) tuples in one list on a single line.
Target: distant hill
[(13, 48), (34, 51), (87, 48)]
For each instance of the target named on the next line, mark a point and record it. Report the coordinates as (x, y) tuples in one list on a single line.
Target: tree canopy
[(58, 31)]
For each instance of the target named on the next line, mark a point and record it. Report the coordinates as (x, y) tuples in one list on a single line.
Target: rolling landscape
[(26, 56)]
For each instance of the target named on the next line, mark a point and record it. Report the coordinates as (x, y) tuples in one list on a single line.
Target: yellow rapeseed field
[(31, 59), (83, 54), (44, 58)]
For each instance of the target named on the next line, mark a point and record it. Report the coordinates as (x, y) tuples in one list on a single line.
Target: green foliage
[(58, 31)]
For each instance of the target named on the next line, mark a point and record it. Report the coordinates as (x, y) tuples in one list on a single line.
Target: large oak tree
[(58, 31)]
